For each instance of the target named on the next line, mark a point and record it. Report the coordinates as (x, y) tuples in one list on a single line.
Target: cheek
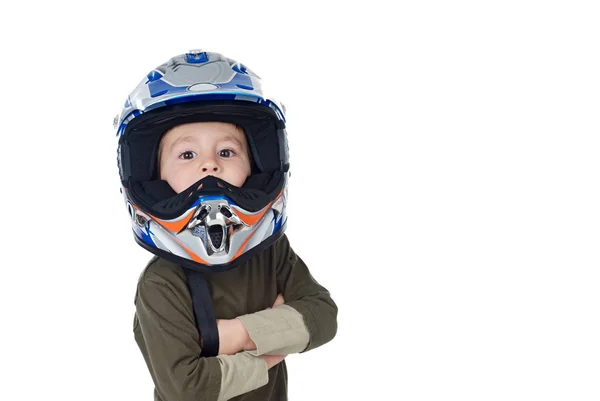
[(184, 179), (236, 179), (179, 177), (245, 165), (240, 173)]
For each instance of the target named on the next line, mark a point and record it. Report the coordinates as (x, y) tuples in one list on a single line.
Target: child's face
[(189, 152)]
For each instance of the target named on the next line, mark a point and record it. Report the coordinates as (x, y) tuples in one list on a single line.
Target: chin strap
[(203, 310)]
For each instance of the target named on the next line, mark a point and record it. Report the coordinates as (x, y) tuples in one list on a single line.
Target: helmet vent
[(225, 211), (216, 235)]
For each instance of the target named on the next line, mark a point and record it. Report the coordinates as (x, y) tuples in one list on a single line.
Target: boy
[(204, 166)]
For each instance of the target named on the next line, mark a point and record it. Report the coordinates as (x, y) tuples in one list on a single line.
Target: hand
[(278, 301), (272, 360), (231, 336)]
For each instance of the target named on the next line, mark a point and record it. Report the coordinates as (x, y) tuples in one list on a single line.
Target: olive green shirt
[(167, 336)]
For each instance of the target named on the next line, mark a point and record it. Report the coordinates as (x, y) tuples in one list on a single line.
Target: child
[(203, 162)]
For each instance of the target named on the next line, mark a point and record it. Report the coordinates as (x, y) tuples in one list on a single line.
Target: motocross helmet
[(212, 225)]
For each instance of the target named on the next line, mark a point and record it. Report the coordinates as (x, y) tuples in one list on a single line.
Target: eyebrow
[(191, 139), (232, 139), (183, 139)]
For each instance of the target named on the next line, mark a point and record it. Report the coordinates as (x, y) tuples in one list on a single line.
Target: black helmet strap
[(203, 312)]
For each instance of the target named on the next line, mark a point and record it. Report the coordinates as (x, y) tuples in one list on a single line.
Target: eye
[(226, 153), (187, 155)]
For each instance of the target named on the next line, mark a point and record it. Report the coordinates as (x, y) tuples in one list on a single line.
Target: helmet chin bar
[(209, 223), (214, 222)]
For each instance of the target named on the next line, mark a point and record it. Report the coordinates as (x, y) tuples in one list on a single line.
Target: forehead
[(203, 130)]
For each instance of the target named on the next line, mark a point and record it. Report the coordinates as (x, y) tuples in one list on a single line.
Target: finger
[(279, 300)]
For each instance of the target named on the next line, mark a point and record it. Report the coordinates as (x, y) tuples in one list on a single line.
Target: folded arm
[(172, 345), (306, 321), (304, 294)]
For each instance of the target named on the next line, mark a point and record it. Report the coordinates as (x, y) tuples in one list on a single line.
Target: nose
[(210, 166)]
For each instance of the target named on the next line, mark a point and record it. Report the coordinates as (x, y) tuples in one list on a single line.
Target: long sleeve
[(277, 331), (171, 347), (303, 293)]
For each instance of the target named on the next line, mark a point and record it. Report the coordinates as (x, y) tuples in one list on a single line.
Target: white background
[(445, 168)]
